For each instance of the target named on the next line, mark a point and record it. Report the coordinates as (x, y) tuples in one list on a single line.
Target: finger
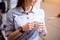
[(43, 32), (31, 24), (41, 25)]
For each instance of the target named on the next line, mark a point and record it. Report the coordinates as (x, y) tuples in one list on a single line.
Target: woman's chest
[(23, 19)]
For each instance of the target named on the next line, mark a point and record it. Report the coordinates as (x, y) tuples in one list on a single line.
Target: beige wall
[(53, 1), (51, 9)]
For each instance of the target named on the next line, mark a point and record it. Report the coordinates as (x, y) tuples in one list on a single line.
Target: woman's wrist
[(21, 29)]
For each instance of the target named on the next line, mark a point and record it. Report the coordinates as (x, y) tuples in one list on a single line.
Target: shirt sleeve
[(9, 23)]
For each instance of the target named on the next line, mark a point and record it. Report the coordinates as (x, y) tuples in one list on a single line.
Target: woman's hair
[(0, 19), (19, 3), (2, 6)]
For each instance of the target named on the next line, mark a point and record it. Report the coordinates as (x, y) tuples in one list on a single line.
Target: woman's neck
[(27, 8)]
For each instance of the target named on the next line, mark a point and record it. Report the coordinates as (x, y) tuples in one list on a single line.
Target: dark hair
[(2, 6), (19, 3), (0, 19)]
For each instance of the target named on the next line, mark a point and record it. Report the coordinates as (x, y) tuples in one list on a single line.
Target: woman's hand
[(42, 29), (28, 26)]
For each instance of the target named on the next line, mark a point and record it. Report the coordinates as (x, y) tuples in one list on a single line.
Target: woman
[(22, 19)]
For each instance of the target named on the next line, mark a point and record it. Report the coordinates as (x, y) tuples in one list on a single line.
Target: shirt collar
[(22, 11)]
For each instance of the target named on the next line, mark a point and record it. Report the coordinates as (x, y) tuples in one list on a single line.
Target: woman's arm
[(13, 35), (9, 27)]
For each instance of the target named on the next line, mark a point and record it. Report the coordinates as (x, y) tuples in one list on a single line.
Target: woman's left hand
[(42, 29)]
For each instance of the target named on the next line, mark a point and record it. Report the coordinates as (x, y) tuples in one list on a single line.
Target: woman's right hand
[(28, 26)]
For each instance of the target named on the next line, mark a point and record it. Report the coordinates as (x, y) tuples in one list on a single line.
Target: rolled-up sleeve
[(9, 23)]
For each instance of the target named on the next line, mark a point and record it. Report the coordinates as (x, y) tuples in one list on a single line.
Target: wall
[(53, 1), (51, 8)]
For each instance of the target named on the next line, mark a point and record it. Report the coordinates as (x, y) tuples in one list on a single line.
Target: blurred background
[(52, 16)]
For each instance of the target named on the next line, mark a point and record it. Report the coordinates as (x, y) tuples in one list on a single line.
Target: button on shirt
[(21, 18)]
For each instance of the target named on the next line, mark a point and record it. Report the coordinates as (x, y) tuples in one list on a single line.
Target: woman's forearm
[(13, 35)]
